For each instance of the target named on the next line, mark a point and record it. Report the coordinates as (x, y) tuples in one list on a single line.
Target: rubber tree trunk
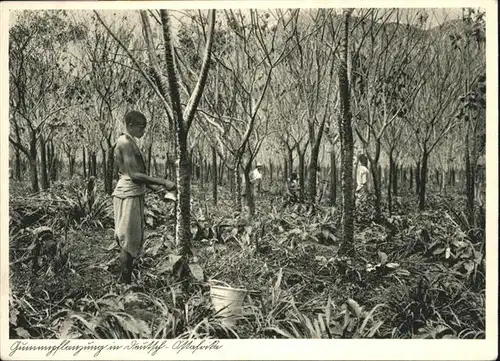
[(94, 163), (249, 196), (54, 163), (411, 179), (395, 176), (285, 172), (18, 164), (389, 184), (333, 179), (103, 165), (214, 176), (43, 164), (49, 162), (84, 162), (469, 178), (290, 163), (110, 168), (376, 172), (271, 171), (346, 144), (237, 184), (200, 168), (417, 178), (444, 180), (423, 180), (33, 165), (302, 174), (155, 167), (71, 165)]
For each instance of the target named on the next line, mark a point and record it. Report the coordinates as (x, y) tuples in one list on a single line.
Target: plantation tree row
[(296, 90)]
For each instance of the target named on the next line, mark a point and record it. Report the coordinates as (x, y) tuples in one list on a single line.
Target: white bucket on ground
[(228, 302)]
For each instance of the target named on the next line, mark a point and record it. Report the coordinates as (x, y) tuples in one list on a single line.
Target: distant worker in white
[(362, 180), (256, 177)]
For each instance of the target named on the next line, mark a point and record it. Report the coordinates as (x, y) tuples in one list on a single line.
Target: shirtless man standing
[(128, 196)]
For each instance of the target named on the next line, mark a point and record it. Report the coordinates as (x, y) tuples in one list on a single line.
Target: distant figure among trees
[(293, 188), (362, 179)]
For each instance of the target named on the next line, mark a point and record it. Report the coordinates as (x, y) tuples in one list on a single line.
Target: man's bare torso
[(128, 156)]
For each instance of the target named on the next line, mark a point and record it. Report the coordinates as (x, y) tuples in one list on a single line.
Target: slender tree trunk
[(155, 167), (313, 171), (54, 162), (201, 174), (444, 180), (94, 164), (250, 200), (411, 178), (290, 163), (84, 158), (389, 184), (396, 171), (302, 175), (104, 168), (237, 183), (333, 179), (43, 164), (423, 181), (469, 180), (417, 178), (49, 163), (33, 164), (150, 155), (285, 172), (110, 169), (18, 164), (377, 188), (346, 144), (221, 172), (214, 176), (270, 171)]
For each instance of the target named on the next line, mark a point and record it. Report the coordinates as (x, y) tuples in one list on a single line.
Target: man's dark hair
[(134, 117), (362, 159)]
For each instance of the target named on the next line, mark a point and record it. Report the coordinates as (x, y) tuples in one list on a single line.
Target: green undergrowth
[(414, 274)]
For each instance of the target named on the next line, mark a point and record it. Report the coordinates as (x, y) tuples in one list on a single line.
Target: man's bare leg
[(127, 261)]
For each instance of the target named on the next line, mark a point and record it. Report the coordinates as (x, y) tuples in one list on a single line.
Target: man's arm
[(139, 177)]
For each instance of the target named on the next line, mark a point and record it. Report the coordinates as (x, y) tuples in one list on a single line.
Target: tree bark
[(104, 168), (285, 172), (18, 164), (290, 163), (249, 187), (333, 179), (411, 178), (43, 164), (389, 184), (214, 176), (271, 171), (110, 169), (302, 175), (346, 144), (33, 165), (150, 155), (84, 159), (423, 180), (93, 159), (469, 180), (54, 162), (396, 171), (417, 178)]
